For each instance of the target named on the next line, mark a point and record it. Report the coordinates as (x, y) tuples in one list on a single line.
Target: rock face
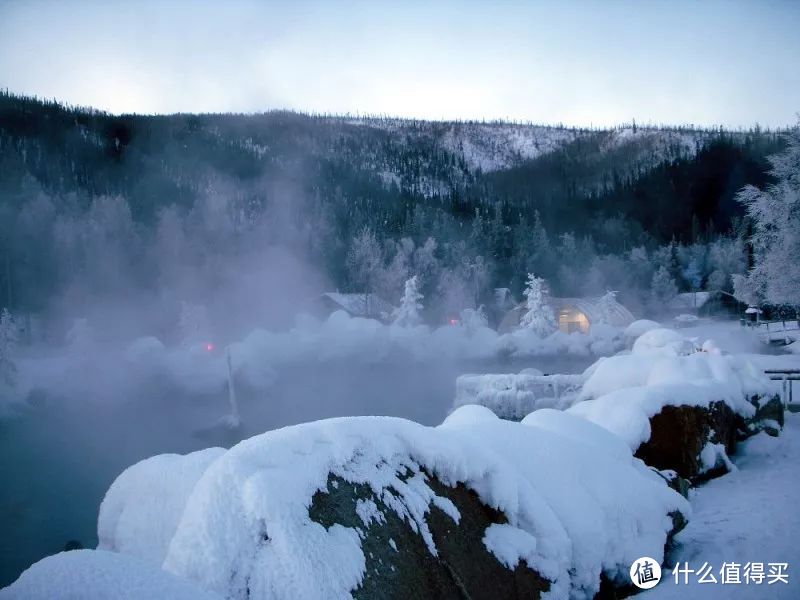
[(769, 415), (684, 438), (400, 565), (679, 435)]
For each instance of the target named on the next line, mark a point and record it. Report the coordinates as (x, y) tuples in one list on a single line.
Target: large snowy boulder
[(693, 441), (381, 507), (676, 409)]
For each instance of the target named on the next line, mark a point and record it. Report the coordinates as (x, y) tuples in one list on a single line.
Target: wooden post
[(234, 419), (784, 392)]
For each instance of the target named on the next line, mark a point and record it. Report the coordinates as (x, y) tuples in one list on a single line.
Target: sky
[(594, 63)]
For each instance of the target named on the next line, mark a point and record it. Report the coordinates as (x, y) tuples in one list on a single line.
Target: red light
[(453, 321), (210, 347)]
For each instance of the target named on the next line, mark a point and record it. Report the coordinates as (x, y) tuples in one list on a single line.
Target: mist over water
[(139, 254)]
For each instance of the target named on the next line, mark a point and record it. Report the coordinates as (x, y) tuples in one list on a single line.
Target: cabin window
[(570, 320)]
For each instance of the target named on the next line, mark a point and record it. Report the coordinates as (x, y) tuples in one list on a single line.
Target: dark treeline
[(108, 203)]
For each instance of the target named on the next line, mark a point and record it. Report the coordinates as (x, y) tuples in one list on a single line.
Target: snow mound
[(623, 392), (577, 502), (601, 340), (100, 575), (663, 341), (150, 496), (638, 328)]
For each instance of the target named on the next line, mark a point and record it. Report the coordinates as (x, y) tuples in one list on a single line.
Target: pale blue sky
[(580, 63)]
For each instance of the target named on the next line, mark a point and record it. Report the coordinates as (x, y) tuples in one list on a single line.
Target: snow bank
[(100, 575), (601, 340), (623, 392), (748, 515), (663, 341), (576, 500), (150, 496), (637, 328)]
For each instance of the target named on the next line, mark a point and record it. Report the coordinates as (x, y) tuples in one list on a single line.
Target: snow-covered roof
[(591, 307), (594, 308), (361, 305)]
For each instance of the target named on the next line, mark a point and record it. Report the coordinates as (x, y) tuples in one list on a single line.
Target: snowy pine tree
[(663, 288), (539, 317), (8, 342), (775, 212), (607, 302), (407, 315)]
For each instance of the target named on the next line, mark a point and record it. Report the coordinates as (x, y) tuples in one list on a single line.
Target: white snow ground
[(751, 515)]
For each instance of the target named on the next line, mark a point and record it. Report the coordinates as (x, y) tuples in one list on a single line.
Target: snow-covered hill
[(496, 146)]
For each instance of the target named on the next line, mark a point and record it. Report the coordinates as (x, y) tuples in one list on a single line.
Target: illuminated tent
[(574, 314)]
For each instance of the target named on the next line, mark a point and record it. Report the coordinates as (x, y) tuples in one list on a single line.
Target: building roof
[(692, 299), (360, 305), (591, 307)]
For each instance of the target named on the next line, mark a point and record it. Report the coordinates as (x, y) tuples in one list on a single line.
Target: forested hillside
[(105, 203)]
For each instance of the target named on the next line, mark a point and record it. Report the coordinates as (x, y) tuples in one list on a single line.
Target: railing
[(785, 331), (786, 376)]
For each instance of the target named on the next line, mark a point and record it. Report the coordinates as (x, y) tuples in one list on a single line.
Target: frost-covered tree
[(473, 319), (606, 306), (744, 290), (407, 314), (663, 288), (80, 334), (453, 292), (365, 263), (775, 213), (693, 274), (394, 276), (193, 323), (539, 317), (718, 280), (8, 343), (479, 276), (640, 267), (726, 256)]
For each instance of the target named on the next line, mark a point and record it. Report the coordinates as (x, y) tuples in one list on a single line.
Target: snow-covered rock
[(668, 401), (100, 575), (150, 496), (571, 503), (638, 328), (663, 341)]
